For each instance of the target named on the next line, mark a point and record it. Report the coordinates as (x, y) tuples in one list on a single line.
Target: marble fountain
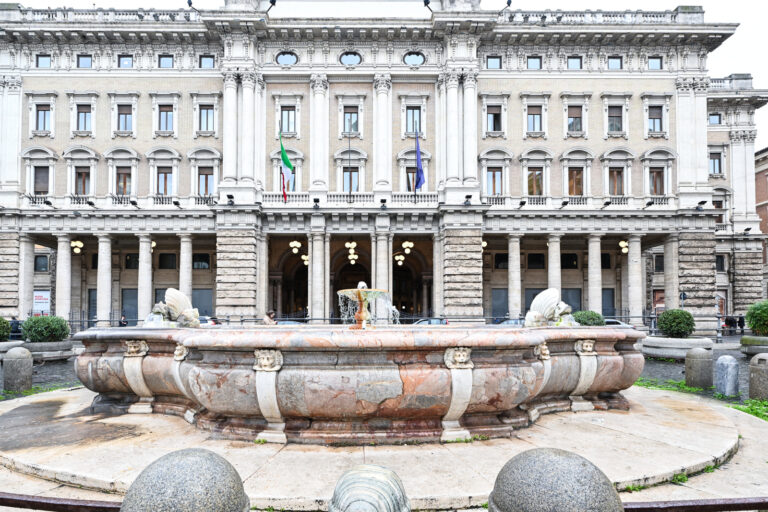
[(378, 384)]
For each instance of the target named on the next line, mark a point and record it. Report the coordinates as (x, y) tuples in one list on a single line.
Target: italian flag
[(287, 169)]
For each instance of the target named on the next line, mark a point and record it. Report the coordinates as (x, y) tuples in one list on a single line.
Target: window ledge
[(577, 135), (82, 133), (123, 133), (617, 135), (495, 134), (205, 133), (289, 135), (350, 134), (717, 176), (536, 135), (41, 133), (164, 133), (412, 135), (657, 135)]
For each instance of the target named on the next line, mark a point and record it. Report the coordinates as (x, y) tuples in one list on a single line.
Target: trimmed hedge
[(757, 318), (5, 329), (45, 328), (676, 323), (590, 318)]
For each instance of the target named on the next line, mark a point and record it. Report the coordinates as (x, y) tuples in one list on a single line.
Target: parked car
[(431, 321), (612, 322), (209, 321), (512, 321)]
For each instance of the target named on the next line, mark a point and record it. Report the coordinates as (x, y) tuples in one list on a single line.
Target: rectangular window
[(494, 118), (534, 62), (165, 123), (206, 118), (715, 163), (534, 118), (288, 119), (43, 61), (351, 183), (493, 62), (43, 118), (715, 119), (201, 261), (166, 261), (615, 62), (413, 120), (569, 261), (494, 183), (125, 61), (574, 118), (720, 219), (658, 263), (655, 63), (655, 116), (205, 181), (165, 61), (132, 261), (501, 261), (535, 181), (84, 118), (125, 118), (410, 178), (720, 263), (351, 119), (574, 62), (41, 181), (616, 181), (605, 261), (615, 119), (123, 181), (164, 181), (41, 263), (536, 261), (575, 181), (82, 181), (207, 62), (656, 178), (84, 61)]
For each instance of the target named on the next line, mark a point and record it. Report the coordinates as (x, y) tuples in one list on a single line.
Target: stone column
[(437, 274), (229, 129), (452, 118), (697, 276), (279, 305), (185, 265), (26, 276), (373, 283), (318, 139), (595, 277), (470, 128), (248, 141), (514, 277), (671, 282), (104, 282), (553, 269), (144, 293), (382, 260), (236, 273), (327, 276), (63, 276), (262, 257), (463, 273), (382, 176), (259, 146), (635, 285), (317, 265)]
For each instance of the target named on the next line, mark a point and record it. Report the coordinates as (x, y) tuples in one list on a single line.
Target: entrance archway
[(294, 293)]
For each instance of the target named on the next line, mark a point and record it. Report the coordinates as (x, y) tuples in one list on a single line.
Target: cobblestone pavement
[(52, 373), (667, 370)]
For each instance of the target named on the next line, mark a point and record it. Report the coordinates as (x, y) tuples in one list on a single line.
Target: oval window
[(287, 58), (351, 58), (414, 58)]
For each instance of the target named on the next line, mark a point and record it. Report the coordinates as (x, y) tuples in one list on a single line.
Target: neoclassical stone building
[(588, 151)]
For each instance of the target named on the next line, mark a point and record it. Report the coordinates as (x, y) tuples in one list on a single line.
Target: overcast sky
[(742, 53)]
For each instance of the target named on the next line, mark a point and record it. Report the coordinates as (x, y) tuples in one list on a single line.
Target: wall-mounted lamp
[(700, 206), (746, 231), (624, 247), (230, 200), (522, 203), (383, 204), (135, 204), (468, 200), (606, 204), (295, 246), (316, 206), (648, 204), (90, 203), (426, 4), (177, 204), (407, 246), (564, 203)]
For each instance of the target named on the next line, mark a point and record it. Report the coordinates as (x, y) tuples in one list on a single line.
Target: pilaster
[(10, 272), (236, 273), (696, 254)]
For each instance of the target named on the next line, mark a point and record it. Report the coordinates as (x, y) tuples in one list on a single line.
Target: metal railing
[(353, 198), (121, 200), (536, 200), (76, 199), (205, 200), (162, 200), (292, 198), (406, 198)]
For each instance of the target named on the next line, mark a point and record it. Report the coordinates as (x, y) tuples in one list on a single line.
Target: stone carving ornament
[(542, 351), (585, 347), (180, 353), (548, 310), (136, 348), (458, 358), (268, 360)]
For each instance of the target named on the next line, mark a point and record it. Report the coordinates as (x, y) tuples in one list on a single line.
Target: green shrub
[(45, 328), (676, 323), (757, 318), (589, 318), (5, 329)]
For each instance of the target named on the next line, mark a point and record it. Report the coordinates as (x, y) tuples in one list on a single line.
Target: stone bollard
[(191, 480), (758, 377), (727, 376), (367, 488), (17, 369), (698, 368), (552, 479)]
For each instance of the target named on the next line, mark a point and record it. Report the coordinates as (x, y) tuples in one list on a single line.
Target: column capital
[(635, 237), (514, 236), (673, 237), (103, 237), (184, 236), (319, 83), (144, 237), (382, 83), (248, 79), (25, 238), (470, 78), (554, 237), (595, 236), (451, 78), (64, 237), (230, 79)]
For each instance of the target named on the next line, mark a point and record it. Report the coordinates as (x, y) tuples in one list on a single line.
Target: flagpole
[(282, 176), (415, 174)]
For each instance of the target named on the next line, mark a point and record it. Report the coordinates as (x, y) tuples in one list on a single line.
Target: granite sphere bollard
[(698, 368), (191, 480), (727, 376), (546, 479), (17, 369), (758, 377), (369, 488)]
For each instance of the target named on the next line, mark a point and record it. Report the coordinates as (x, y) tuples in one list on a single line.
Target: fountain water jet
[(354, 306)]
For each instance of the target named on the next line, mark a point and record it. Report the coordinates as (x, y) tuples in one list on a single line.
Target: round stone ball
[(552, 480), (191, 480), (18, 353)]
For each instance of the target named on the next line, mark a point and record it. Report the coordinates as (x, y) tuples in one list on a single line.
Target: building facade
[(586, 151)]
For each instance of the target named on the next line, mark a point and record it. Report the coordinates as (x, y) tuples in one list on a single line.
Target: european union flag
[(419, 168)]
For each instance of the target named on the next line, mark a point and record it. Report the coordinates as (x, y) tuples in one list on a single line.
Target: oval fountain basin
[(332, 385)]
